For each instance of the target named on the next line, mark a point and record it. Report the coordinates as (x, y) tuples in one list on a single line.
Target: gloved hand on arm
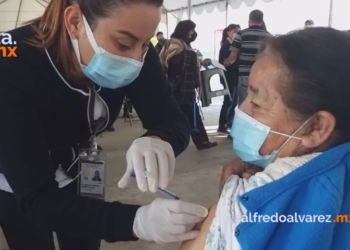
[(152, 160), (166, 221)]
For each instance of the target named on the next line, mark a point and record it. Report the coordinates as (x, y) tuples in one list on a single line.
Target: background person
[(182, 67), (161, 41), (244, 48), (309, 23), (74, 73), (127, 109), (295, 125), (228, 107)]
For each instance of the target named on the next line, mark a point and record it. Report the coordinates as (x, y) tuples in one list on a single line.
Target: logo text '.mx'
[(7, 46)]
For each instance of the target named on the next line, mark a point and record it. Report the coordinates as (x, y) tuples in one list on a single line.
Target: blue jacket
[(320, 187)]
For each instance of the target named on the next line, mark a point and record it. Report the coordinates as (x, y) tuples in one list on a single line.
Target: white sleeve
[(229, 211)]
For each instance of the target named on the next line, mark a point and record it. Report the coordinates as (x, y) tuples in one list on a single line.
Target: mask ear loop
[(291, 136), (75, 46), (90, 36)]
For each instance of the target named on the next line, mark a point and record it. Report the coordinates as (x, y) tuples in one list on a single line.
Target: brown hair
[(182, 29), (227, 29), (50, 31), (317, 79)]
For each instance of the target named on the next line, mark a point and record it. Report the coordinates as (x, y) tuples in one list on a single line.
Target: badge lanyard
[(92, 169), (92, 161)]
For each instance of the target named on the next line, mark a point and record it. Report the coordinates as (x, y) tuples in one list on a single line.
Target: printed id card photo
[(92, 180)]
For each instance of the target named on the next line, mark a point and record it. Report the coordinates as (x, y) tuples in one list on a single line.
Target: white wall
[(341, 17), (282, 16), (11, 9)]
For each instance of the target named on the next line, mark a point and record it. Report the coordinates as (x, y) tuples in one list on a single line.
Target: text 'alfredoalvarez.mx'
[(7, 45)]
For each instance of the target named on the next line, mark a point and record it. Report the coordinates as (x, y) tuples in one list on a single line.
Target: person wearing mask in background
[(228, 108), (309, 23), (161, 41), (181, 64), (244, 48), (74, 73)]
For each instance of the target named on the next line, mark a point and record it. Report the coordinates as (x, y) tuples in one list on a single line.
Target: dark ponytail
[(228, 29), (224, 36)]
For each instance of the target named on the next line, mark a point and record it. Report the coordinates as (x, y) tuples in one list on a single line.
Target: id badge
[(92, 180)]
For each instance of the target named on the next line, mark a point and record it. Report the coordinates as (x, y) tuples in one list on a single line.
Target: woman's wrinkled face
[(126, 32), (264, 103)]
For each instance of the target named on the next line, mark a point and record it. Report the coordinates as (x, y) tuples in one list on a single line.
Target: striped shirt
[(246, 43)]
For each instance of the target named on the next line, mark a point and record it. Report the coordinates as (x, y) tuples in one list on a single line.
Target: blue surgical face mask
[(105, 69), (249, 135)]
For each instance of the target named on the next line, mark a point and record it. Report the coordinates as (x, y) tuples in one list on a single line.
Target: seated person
[(295, 124)]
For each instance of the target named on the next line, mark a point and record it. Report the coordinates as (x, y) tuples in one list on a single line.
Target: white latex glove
[(166, 221), (152, 161)]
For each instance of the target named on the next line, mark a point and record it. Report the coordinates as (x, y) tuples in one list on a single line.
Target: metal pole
[(19, 11), (167, 24), (330, 21), (189, 9), (226, 13)]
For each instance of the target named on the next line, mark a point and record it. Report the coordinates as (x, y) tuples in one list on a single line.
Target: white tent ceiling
[(171, 5)]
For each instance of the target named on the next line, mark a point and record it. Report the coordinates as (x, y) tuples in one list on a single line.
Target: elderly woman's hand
[(240, 168)]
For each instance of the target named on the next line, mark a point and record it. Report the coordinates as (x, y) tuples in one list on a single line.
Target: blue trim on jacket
[(320, 187)]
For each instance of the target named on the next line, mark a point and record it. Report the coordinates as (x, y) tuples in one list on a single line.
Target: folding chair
[(206, 92)]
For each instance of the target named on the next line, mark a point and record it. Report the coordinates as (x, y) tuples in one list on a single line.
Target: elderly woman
[(294, 124)]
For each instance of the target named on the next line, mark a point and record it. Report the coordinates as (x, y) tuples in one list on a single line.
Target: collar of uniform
[(256, 27), (261, 196)]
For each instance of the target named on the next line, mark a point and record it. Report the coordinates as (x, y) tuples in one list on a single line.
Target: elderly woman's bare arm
[(199, 242)]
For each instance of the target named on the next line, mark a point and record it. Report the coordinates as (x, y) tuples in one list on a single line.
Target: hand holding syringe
[(164, 191)]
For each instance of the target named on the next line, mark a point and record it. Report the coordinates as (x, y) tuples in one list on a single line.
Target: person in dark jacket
[(309, 23), (181, 64), (228, 108), (65, 85), (161, 41)]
